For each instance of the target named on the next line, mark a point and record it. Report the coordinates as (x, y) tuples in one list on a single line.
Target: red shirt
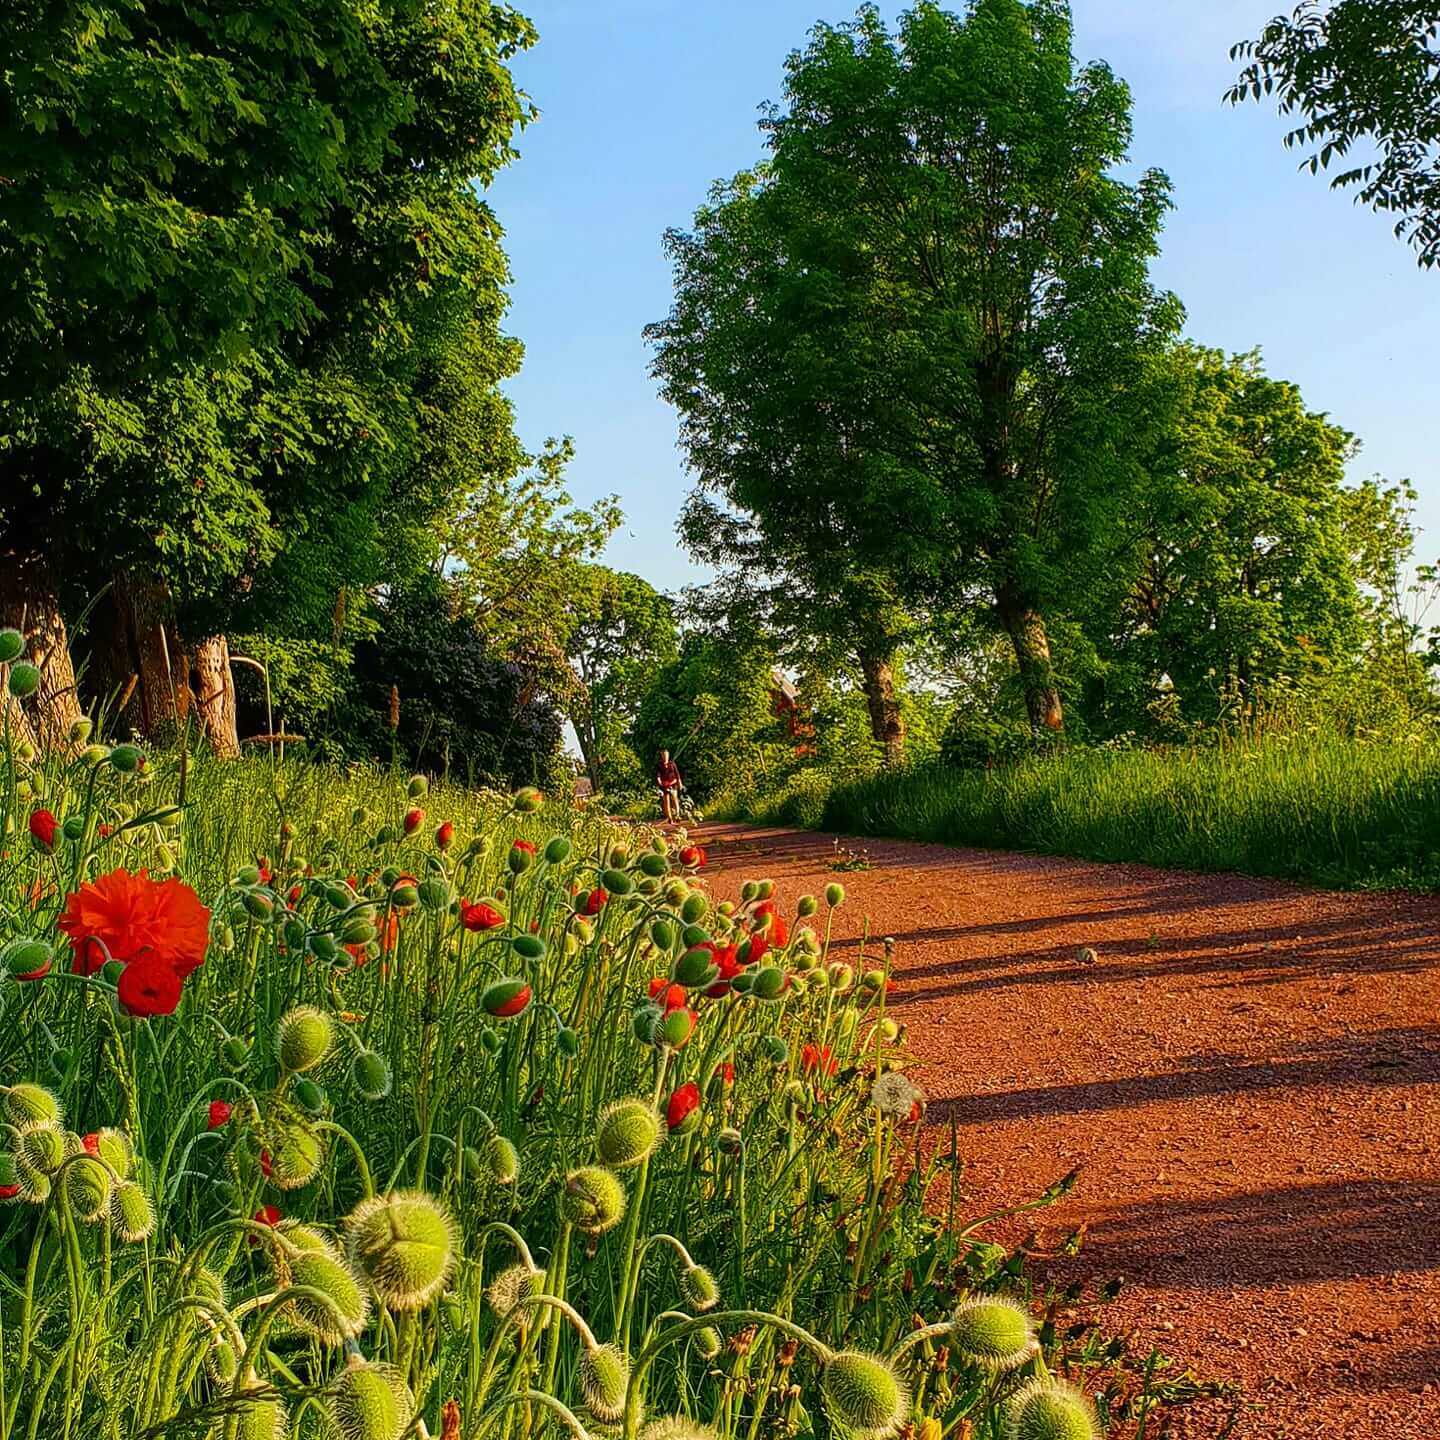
[(666, 773)]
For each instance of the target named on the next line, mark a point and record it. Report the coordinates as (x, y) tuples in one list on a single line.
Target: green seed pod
[(369, 1402), (418, 787), (695, 969), (528, 947), (864, 1394), (24, 679), (435, 894), (693, 908), (567, 1041), (512, 1285), (806, 906), (645, 1022), (648, 886), (662, 935), (501, 1160), (324, 948), (604, 1377), (296, 1158), (699, 1288), (234, 1053), (125, 758), (617, 882), (1046, 1409), (693, 935), (769, 983), (31, 1107), (707, 1345), (491, 1042), (619, 857), (654, 865), (370, 1075), (593, 1200), (357, 930), (993, 1333), (774, 1049), (12, 645), (309, 1096), (834, 894), (404, 1244), (132, 1216), (303, 1038), (405, 897), (323, 1270), (627, 1133), (557, 850)]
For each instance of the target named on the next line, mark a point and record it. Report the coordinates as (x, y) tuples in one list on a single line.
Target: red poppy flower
[(444, 835), (148, 986), (266, 1215), (9, 1192), (136, 917), (692, 857), (729, 969), (266, 874), (293, 898), (266, 1165), (595, 900), (759, 944), (43, 829), (91, 1142), (218, 1115), (777, 933), (672, 997), (104, 830), (821, 1058), (682, 1103), (414, 819), (524, 845), (480, 916)]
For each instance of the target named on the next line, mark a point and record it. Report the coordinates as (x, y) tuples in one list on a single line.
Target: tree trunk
[(145, 611), (887, 724), (29, 603), (1026, 628), (214, 684)]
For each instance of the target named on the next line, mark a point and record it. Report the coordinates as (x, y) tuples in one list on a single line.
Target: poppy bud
[(491, 1042), (528, 800), (405, 897), (769, 983), (502, 1160), (696, 968), (370, 1075), (675, 1028), (74, 827), (645, 1021), (842, 977), (729, 1141), (125, 758), (248, 875), (682, 1111), (414, 819), (584, 930), (662, 935), (528, 947), (676, 892), (403, 1243), (309, 1096), (707, 1345), (873, 981), (774, 1049), (27, 959), (418, 787), (834, 894), (505, 999), (653, 864), (12, 645), (627, 1132), (24, 679), (749, 891), (765, 889), (617, 882), (235, 1053), (93, 754), (323, 947), (435, 893), (521, 857), (567, 1041), (593, 1200), (693, 935), (557, 851), (303, 1038), (357, 930), (258, 904), (742, 983), (692, 911), (863, 1393), (385, 835), (806, 906)]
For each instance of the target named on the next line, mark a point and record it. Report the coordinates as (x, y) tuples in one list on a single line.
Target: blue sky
[(645, 102)]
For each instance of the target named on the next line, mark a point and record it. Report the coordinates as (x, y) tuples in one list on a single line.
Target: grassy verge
[(1324, 809)]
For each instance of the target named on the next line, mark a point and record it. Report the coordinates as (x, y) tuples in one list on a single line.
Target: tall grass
[(1321, 808)]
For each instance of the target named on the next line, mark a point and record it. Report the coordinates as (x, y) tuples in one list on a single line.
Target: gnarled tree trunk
[(29, 603), (146, 621), (887, 724), (213, 682), (1026, 628)]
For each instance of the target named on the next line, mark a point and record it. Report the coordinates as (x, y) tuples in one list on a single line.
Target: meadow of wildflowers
[(334, 1106)]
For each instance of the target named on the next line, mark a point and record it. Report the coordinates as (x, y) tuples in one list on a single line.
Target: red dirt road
[(1248, 1073)]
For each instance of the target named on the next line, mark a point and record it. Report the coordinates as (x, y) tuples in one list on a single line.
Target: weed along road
[(1246, 1073)]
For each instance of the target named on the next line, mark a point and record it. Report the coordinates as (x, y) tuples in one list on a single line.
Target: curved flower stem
[(361, 1164), (918, 1337), (635, 1393), (512, 1235), (268, 1317), (566, 1416)]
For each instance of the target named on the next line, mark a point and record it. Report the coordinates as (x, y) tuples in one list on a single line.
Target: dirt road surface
[(1247, 1072)]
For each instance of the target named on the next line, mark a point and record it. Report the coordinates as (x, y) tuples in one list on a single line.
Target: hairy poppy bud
[(682, 1111), (627, 1133), (654, 865), (528, 800), (1047, 1409), (24, 679), (567, 1041), (414, 819), (491, 1042), (501, 1160), (617, 882), (769, 983), (863, 1394), (806, 906), (604, 1378), (528, 947), (593, 1200), (370, 1075), (404, 1245), (435, 894), (696, 968), (12, 645), (692, 911), (834, 894), (303, 1038), (27, 959), (126, 759), (369, 1402), (662, 935), (505, 999), (557, 851), (675, 1028), (418, 787), (645, 1021)]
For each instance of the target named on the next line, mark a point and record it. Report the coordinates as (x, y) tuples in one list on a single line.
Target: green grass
[(1318, 808)]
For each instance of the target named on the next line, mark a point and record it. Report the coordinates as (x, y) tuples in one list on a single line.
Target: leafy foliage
[(1363, 77)]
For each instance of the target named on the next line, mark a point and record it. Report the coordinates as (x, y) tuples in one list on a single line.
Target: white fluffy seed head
[(513, 1285)]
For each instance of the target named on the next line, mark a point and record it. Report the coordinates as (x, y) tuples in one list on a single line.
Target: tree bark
[(29, 603), (146, 615), (887, 724), (1026, 628), (213, 681)]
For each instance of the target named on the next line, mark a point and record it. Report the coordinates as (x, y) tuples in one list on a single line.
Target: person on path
[(667, 777)]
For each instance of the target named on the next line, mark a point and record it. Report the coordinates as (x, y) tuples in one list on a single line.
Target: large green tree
[(1362, 79), (251, 250), (949, 291)]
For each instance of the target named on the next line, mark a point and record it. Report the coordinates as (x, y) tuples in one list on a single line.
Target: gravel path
[(1248, 1073)]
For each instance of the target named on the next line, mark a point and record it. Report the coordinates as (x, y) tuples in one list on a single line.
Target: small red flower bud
[(595, 900), (218, 1115), (683, 1104), (43, 828), (265, 1164), (444, 836), (414, 819)]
